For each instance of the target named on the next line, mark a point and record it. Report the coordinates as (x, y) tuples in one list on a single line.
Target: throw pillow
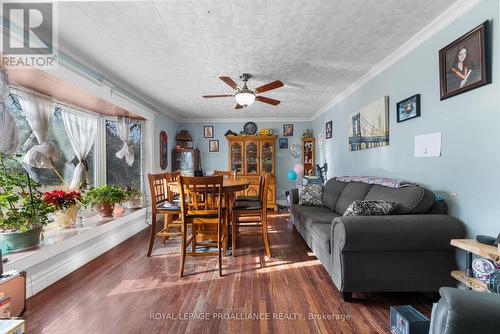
[(369, 208), (311, 195)]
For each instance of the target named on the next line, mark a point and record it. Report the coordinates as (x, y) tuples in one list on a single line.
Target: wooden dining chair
[(163, 203), (255, 213), (202, 209), (254, 198)]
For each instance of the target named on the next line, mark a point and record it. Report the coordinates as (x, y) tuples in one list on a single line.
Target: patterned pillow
[(369, 208), (311, 195)]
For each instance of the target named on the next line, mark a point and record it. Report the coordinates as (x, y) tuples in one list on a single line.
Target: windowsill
[(56, 240)]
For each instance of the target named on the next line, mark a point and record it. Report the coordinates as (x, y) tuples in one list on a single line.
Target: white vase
[(66, 218)]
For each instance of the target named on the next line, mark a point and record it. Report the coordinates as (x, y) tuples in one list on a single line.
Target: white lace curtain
[(81, 130), (39, 113), (8, 128), (123, 133)]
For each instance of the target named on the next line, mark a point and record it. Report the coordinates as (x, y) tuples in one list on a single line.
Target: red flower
[(61, 199)]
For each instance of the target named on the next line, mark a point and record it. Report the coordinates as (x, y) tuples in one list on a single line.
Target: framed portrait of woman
[(464, 64)]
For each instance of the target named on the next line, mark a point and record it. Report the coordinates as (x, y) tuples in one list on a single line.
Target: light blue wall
[(219, 161), (170, 126), (470, 125)]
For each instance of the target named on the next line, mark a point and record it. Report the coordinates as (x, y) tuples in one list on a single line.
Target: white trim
[(454, 12), (247, 119), (53, 262)]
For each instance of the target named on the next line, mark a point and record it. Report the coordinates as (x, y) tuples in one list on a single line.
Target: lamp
[(245, 97)]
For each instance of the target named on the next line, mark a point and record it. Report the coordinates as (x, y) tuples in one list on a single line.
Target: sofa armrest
[(294, 196), (462, 311), (398, 232)]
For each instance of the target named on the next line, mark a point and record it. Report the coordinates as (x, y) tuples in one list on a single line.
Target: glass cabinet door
[(237, 157), (251, 158), (267, 157)]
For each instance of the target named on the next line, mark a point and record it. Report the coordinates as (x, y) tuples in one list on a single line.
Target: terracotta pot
[(105, 209)]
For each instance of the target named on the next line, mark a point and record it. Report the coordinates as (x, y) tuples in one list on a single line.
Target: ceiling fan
[(245, 96)]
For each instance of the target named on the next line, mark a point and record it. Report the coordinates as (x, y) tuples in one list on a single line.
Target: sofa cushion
[(353, 191), (409, 199), (308, 215), (331, 193), (369, 208), (311, 194), (322, 234)]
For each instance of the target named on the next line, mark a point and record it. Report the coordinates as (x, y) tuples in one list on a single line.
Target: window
[(118, 172), (65, 165)]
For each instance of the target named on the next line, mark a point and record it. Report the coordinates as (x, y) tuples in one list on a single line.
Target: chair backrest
[(264, 194), (158, 187), (201, 195), (223, 172)]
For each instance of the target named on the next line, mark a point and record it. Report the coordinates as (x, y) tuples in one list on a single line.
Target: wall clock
[(250, 128)]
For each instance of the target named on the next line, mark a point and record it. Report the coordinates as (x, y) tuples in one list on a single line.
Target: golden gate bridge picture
[(369, 127)]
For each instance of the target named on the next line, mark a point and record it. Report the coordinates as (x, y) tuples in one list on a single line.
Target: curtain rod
[(57, 102)]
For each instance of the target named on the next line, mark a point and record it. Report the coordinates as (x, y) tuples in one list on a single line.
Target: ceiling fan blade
[(210, 96), (267, 100), (230, 82), (269, 86), (238, 106)]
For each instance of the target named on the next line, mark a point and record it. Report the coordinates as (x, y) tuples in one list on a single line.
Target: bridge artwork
[(369, 126)]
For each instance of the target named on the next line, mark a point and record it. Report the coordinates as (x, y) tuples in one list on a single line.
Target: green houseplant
[(104, 198), (23, 213)]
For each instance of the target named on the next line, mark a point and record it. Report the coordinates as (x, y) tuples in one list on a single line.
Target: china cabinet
[(186, 161), (308, 156), (250, 156)]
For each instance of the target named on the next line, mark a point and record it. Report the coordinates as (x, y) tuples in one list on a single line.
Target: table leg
[(468, 266), (226, 223)]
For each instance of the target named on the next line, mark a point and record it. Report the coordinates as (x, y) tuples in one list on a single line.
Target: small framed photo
[(288, 130), (208, 131), (213, 146), (283, 143), (408, 108), (464, 64), (329, 130)]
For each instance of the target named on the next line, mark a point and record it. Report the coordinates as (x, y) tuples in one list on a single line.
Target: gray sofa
[(464, 312), (408, 250)]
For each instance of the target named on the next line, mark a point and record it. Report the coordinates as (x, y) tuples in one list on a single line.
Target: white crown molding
[(241, 120), (450, 15)]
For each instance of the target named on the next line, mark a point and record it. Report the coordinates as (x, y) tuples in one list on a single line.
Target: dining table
[(230, 185)]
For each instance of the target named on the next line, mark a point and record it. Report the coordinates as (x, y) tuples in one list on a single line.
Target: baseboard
[(61, 261)]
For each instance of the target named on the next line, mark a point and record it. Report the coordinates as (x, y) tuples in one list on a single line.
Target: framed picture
[(163, 150), (329, 129), (464, 64), (408, 108), (208, 131), (288, 130), (369, 126), (213, 146), (283, 142)]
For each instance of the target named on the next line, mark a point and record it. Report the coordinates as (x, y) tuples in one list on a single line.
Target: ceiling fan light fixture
[(245, 98)]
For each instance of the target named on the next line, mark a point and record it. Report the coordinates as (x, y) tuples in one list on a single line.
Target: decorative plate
[(250, 128)]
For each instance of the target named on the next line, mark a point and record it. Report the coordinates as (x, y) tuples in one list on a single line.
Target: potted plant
[(23, 213), (65, 206), (104, 198), (133, 198)]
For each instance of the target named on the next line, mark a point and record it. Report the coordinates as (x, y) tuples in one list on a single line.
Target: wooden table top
[(229, 184), (471, 245)]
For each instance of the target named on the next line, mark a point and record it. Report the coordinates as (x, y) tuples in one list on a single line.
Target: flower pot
[(16, 241), (105, 209), (132, 204), (66, 218)]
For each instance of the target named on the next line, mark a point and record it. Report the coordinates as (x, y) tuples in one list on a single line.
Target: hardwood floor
[(123, 291)]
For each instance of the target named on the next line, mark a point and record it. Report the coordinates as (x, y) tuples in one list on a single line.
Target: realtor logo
[(28, 34)]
